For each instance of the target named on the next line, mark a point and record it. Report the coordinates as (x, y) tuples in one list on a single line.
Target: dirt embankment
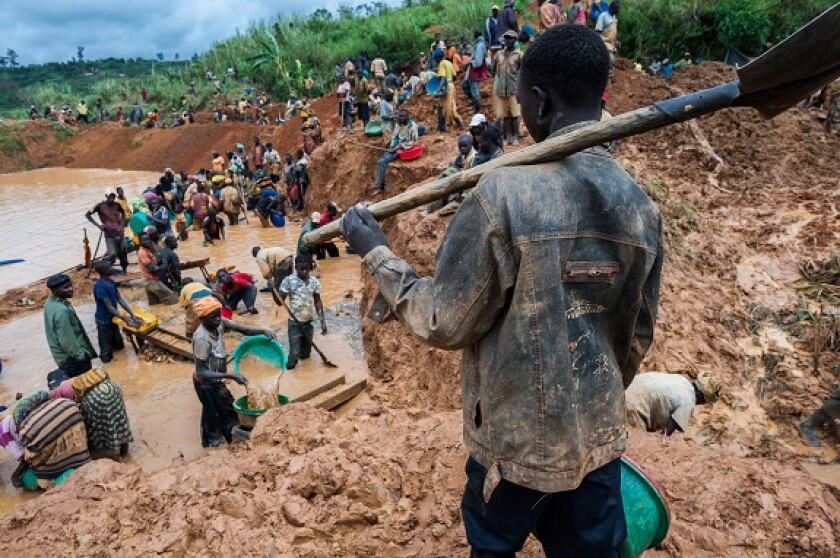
[(187, 147), (386, 480)]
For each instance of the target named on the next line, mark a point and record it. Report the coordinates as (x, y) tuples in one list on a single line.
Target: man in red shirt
[(237, 287), (112, 218)]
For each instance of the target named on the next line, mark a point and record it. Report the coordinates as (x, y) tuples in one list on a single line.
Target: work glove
[(361, 230)]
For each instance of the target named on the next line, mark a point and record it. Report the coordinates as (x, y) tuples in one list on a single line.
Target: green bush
[(10, 141)]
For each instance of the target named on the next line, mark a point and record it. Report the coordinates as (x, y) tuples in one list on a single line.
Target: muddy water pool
[(42, 221)]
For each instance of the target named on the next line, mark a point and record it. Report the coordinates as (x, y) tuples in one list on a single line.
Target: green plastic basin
[(138, 222), (646, 510), (261, 347), (248, 417)]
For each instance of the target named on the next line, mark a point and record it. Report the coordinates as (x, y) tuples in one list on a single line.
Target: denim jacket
[(548, 279)]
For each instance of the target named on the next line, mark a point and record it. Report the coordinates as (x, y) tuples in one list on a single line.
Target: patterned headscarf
[(28, 403), (87, 381)]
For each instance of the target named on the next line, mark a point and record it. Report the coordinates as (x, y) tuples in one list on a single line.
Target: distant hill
[(275, 56)]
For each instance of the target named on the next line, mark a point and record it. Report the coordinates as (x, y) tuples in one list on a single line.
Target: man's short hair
[(571, 60), (102, 265), (303, 259)]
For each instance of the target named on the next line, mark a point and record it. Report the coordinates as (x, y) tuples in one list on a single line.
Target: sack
[(479, 74), (294, 193)]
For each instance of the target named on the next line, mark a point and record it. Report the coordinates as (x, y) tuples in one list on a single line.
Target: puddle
[(47, 220)]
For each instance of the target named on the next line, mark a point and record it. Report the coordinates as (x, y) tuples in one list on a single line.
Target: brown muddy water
[(42, 221)]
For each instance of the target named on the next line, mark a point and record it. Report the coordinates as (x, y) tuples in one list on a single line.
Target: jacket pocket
[(590, 272)]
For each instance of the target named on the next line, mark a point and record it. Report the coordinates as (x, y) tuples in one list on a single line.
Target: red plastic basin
[(410, 154)]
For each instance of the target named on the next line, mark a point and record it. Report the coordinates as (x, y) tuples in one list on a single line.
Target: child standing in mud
[(304, 292), (548, 279)]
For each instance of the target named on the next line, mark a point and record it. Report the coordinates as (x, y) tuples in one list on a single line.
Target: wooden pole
[(552, 149)]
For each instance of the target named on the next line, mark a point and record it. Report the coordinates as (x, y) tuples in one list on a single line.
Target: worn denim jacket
[(548, 279)]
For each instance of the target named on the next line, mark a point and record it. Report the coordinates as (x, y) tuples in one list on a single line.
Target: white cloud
[(51, 30)]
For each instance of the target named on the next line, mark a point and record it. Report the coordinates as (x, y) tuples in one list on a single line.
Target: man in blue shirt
[(107, 296)]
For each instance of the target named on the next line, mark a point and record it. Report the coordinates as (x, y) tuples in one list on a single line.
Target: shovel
[(280, 302), (773, 82)]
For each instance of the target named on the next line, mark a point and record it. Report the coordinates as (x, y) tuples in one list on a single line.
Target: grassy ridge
[(276, 55)]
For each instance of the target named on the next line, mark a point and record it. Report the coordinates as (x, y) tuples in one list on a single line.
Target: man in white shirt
[(660, 402)]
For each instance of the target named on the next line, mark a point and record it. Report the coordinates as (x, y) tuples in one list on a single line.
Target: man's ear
[(543, 103)]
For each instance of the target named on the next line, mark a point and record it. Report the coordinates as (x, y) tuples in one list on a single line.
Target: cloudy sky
[(50, 30)]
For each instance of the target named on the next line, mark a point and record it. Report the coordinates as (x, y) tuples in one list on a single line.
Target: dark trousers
[(73, 367), (330, 248), (831, 407), (587, 522), (247, 295), (217, 414), (110, 340), (382, 168), (300, 342)]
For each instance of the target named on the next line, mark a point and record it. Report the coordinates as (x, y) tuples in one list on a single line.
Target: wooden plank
[(194, 264), (339, 395), (127, 278), (316, 390), (170, 341)]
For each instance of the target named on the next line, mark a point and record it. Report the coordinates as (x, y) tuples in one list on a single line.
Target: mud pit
[(385, 480)]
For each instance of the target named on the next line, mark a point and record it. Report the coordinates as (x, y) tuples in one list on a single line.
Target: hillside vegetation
[(276, 55)]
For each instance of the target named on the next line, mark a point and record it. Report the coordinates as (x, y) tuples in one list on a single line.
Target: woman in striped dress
[(52, 433), (103, 409)]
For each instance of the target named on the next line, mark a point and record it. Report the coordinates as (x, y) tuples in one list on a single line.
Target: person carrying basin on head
[(552, 325)]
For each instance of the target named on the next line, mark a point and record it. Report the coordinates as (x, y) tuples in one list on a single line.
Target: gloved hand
[(361, 230)]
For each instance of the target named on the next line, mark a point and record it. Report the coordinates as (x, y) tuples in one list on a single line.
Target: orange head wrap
[(206, 306)]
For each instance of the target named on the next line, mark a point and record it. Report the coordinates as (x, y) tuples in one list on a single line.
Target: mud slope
[(386, 480), (387, 483)]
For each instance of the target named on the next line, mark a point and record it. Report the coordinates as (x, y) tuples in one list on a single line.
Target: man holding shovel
[(304, 292), (548, 280)]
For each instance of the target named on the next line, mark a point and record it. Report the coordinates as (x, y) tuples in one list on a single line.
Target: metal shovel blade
[(795, 68)]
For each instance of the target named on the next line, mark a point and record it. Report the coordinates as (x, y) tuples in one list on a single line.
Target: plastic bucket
[(261, 347), (421, 130), (277, 219), (646, 510), (248, 417)]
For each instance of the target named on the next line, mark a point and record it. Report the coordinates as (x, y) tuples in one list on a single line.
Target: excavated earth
[(744, 201)]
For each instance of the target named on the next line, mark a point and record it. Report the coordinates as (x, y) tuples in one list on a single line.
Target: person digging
[(548, 280), (304, 292)]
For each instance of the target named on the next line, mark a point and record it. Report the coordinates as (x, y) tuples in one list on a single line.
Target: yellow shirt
[(190, 289), (446, 70)]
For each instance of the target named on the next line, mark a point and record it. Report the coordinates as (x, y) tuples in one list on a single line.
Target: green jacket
[(65, 335), (307, 228)]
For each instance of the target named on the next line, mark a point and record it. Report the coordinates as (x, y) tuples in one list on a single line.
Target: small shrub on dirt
[(62, 132), (10, 141)]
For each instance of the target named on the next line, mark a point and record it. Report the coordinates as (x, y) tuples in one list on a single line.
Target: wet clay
[(156, 393)]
